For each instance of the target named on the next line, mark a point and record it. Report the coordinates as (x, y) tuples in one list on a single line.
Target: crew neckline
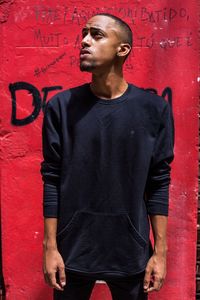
[(119, 99)]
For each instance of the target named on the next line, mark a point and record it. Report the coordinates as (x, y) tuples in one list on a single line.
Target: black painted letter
[(36, 102)]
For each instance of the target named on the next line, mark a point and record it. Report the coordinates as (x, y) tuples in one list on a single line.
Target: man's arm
[(52, 261), (53, 265), (156, 267), (157, 200)]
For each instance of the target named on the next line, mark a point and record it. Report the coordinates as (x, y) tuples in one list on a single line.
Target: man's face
[(100, 42)]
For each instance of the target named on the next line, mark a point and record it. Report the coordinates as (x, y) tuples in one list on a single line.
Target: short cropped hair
[(128, 36)]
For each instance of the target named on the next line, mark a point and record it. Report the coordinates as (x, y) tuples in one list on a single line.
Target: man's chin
[(86, 67)]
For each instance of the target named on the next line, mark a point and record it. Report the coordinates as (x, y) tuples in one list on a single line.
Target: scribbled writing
[(46, 39), (42, 70), (164, 42), (79, 15)]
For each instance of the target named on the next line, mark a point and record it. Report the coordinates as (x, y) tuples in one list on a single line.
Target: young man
[(107, 150)]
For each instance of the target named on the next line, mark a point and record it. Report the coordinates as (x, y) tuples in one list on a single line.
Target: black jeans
[(80, 288)]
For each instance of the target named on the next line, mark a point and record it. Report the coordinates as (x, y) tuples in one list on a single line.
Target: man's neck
[(108, 86)]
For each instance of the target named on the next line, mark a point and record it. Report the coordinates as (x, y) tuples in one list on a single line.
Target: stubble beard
[(87, 67)]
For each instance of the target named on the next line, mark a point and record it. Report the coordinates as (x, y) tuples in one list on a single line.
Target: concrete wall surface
[(39, 55)]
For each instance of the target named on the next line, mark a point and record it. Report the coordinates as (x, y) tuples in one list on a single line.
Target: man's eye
[(97, 34)]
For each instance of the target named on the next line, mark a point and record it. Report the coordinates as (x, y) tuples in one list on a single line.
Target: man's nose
[(86, 41)]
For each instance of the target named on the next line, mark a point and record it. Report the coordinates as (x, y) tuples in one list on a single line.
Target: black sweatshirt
[(106, 168)]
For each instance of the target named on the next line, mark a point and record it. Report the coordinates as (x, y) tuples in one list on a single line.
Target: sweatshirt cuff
[(50, 211), (50, 200), (157, 208)]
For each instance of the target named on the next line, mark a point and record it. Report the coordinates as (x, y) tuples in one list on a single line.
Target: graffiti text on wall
[(38, 71), (63, 15), (59, 19)]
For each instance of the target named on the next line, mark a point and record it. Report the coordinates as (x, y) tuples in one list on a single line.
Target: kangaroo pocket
[(96, 242)]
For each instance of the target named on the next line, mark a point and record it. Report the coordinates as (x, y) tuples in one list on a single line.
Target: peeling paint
[(5, 10), (36, 234)]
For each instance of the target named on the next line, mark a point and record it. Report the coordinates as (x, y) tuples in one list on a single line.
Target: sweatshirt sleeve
[(157, 187), (50, 166)]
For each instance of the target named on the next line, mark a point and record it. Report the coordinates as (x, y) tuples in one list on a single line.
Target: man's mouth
[(84, 53)]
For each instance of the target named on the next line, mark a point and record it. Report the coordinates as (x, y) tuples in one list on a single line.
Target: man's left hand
[(155, 273)]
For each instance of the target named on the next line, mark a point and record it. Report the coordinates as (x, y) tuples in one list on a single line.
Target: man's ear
[(123, 49)]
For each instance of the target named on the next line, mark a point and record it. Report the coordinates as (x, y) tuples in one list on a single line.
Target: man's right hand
[(53, 264)]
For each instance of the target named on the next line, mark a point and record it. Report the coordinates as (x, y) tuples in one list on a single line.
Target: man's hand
[(52, 264), (155, 273)]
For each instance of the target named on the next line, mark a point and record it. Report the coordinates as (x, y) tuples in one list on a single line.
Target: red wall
[(39, 49)]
